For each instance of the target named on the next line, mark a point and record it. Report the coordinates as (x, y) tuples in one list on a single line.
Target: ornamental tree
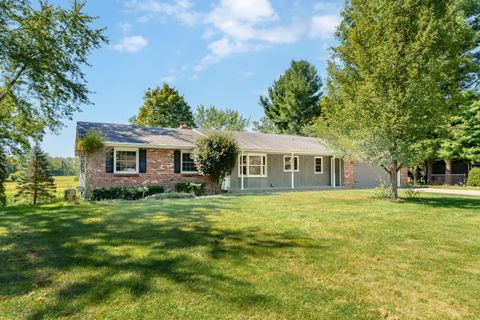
[(36, 182), (215, 156), (293, 100), (393, 79), (163, 107)]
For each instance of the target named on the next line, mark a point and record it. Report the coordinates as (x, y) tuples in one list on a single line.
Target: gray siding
[(368, 176), (277, 178)]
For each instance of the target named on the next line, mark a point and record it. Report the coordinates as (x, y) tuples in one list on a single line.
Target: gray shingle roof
[(248, 141)]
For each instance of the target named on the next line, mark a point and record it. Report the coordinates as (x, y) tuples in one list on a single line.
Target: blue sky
[(223, 53)]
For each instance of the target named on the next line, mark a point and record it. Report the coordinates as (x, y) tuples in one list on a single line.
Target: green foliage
[(265, 125), (217, 119), (383, 191), (393, 78), (60, 166), (464, 133), (3, 177), (171, 195), (293, 100), (124, 193), (197, 189), (215, 156), (474, 177), (163, 107), (91, 142), (36, 182), (43, 52)]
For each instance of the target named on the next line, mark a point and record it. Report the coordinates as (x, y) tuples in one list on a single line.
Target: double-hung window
[(187, 163), (318, 165), (252, 165), (125, 160), (287, 163)]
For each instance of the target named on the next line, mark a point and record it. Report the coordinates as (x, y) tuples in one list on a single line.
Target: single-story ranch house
[(136, 155)]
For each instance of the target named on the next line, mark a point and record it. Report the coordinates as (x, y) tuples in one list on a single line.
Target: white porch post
[(333, 166), (340, 177), (292, 167), (241, 168)]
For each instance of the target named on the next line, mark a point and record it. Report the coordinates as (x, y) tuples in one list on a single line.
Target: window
[(125, 160), (318, 165), (252, 165), (188, 165), (287, 163)]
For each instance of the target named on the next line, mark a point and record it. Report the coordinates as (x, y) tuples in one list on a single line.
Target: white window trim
[(181, 163), (115, 160), (315, 165), (262, 155), (293, 164)]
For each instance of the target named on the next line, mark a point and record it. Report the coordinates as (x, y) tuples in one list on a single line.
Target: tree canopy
[(218, 119), (163, 107), (293, 100), (393, 79)]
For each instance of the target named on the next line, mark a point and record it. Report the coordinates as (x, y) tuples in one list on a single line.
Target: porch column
[(340, 172), (333, 171), (292, 167), (241, 168)]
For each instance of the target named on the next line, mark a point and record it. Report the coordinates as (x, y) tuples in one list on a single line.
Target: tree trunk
[(393, 179), (415, 175), (448, 172)]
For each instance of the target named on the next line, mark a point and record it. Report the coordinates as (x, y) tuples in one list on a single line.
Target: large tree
[(43, 52), (218, 119), (36, 182), (293, 100), (163, 107), (393, 79)]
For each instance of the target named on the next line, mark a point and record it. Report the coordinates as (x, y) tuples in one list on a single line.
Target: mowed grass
[(61, 182), (308, 255)]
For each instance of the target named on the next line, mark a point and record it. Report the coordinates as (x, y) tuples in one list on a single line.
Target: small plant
[(197, 189), (383, 190), (474, 177), (410, 191)]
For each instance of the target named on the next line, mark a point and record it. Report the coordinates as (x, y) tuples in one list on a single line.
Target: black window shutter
[(142, 166), (176, 161), (109, 162)]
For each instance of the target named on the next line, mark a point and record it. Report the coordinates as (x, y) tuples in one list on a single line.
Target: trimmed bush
[(474, 177), (171, 195), (197, 189), (124, 193)]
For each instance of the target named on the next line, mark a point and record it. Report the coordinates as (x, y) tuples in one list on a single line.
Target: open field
[(62, 183), (306, 255)]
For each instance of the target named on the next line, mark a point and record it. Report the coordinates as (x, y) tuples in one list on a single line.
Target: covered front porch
[(282, 171)]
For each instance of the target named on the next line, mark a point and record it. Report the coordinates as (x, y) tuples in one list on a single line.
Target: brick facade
[(403, 176), (348, 173), (160, 171)]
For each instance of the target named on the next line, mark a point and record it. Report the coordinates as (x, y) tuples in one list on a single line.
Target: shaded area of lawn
[(300, 255)]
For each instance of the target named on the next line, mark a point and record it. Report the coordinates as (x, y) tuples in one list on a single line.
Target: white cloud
[(168, 79), (124, 26), (131, 44), (248, 74), (324, 26), (180, 9)]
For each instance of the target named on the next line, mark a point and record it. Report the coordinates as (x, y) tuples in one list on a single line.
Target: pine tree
[(293, 100), (36, 182)]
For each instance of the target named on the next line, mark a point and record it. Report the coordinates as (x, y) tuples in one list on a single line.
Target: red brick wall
[(159, 172), (403, 176), (348, 173)]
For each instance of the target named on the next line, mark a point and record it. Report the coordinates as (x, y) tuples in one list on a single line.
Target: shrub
[(91, 142), (474, 177), (215, 156), (171, 195), (190, 187), (410, 191), (383, 191), (124, 193)]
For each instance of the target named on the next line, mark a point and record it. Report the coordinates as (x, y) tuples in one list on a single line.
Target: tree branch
[(12, 83)]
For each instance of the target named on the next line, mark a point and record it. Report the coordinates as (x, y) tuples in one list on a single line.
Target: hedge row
[(125, 193), (197, 189)]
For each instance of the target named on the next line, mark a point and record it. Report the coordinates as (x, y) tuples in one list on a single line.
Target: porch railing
[(455, 179)]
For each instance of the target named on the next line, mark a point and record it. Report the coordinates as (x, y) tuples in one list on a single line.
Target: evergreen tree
[(393, 79), (293, 100), (163, 107), (217, 119), (265, 125), (36, 182)]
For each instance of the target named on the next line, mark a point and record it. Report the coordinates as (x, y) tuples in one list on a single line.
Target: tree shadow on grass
[(446, 202), (128, 247)]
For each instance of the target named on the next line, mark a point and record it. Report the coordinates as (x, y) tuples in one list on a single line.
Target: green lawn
[(308, 255), (445, 186), (61, 183)]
